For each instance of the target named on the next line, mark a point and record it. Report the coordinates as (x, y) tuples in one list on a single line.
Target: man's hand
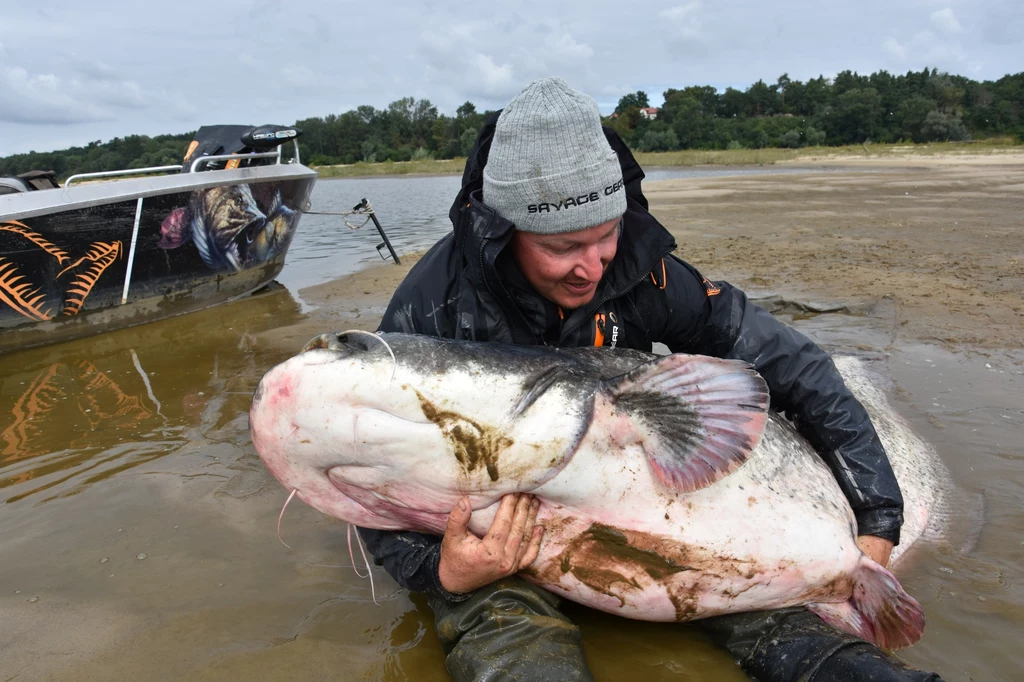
[(877, 549), (511, 544)]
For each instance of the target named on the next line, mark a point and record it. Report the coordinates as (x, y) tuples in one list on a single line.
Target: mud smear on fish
[(623, 563), (475, 445)]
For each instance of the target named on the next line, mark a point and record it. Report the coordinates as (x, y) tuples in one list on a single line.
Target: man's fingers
[(526, 532), (503, 519), (515, 541), (458, 521), (521, 515), (532, 549), (532, 519)]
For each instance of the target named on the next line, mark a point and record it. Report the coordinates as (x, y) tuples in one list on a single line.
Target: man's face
[(565, 268)]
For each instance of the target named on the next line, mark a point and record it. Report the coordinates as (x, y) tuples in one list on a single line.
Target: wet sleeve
[(715, 318), (410, 558)]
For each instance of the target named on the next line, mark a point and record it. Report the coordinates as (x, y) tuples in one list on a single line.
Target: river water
[(413, 212), (137, 526)]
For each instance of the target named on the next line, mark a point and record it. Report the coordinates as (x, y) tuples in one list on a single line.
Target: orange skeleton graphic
[(21, 296)]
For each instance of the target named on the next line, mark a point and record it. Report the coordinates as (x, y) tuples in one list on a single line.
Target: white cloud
[(92, 93), (41, 99), (946, 21), (299, 77), (685, 21), (926, 49), (893, 47), (495, 78), (564, 47), (494, 65)]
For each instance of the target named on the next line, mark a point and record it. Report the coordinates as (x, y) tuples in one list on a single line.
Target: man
[(553, 245)]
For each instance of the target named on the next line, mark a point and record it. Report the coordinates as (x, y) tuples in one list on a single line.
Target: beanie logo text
[(569, 202)]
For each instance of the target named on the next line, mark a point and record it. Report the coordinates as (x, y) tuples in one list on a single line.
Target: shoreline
[(884, 154), (938, 237)]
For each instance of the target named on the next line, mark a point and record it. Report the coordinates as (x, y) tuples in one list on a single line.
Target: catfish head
[(390, 431)]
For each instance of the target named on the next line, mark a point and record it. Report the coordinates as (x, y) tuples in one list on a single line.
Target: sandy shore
[(941, 237), (933, 247)]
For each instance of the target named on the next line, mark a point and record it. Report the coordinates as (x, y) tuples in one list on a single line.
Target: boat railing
[(276, 154), (116, 173), (194, 168)]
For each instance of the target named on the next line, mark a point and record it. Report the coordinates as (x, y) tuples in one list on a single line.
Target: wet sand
[(941, 239), (137, 443)]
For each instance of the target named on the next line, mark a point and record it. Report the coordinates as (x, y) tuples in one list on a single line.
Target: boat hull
[(83, 260)]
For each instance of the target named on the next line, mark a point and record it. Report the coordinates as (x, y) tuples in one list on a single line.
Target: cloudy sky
[(73, 72)]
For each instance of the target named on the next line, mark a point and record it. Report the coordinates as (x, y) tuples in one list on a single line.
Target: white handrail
[(130, 171), (238, 157), (276, 154)]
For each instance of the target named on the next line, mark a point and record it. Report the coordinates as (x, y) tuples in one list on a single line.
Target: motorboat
[(114, 249)]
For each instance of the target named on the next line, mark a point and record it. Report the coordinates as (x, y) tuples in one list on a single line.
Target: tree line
[(848, 109), (925, 106)]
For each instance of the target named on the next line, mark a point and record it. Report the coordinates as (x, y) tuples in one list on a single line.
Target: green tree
[(939, 126), (467, 141), (637, 100), (733, 104), (856, 117), (910, 116), (658, 141), (790, 138)]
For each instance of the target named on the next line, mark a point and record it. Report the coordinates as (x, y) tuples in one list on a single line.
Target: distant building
[(650, 113)]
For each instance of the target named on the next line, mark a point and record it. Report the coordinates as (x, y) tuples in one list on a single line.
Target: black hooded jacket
[(468, 287)]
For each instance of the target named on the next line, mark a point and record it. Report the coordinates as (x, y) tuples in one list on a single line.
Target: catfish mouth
[(383, 512)]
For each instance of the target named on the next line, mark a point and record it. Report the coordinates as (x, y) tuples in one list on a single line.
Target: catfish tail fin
[(879, 610)]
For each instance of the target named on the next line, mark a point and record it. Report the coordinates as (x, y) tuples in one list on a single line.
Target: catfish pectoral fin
[(703, 416)]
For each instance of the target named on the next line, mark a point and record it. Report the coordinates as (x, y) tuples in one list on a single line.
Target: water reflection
[(57, 415), (80, 412)]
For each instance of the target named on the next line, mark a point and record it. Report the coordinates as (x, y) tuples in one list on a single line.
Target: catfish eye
[(353, 342), (340, 342)]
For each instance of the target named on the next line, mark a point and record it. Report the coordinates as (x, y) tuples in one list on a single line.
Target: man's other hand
[(511, 544), (877, 549)]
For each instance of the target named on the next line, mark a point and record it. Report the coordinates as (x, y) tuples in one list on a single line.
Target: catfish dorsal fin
[(700, 417)]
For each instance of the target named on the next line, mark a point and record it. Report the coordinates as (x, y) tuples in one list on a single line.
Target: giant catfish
[(668, 491)]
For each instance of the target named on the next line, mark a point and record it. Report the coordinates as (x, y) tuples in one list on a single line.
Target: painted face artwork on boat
[(229, 227), (59, 265)]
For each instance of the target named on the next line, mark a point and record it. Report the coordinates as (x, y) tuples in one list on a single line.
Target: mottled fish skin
[(482, 420)]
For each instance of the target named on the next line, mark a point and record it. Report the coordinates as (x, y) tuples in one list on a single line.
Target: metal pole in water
[(387, 242)]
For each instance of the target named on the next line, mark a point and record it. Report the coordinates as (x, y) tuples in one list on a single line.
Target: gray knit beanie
[(550, 168)]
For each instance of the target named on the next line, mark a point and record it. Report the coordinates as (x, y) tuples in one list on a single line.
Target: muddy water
[(137, 525)]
